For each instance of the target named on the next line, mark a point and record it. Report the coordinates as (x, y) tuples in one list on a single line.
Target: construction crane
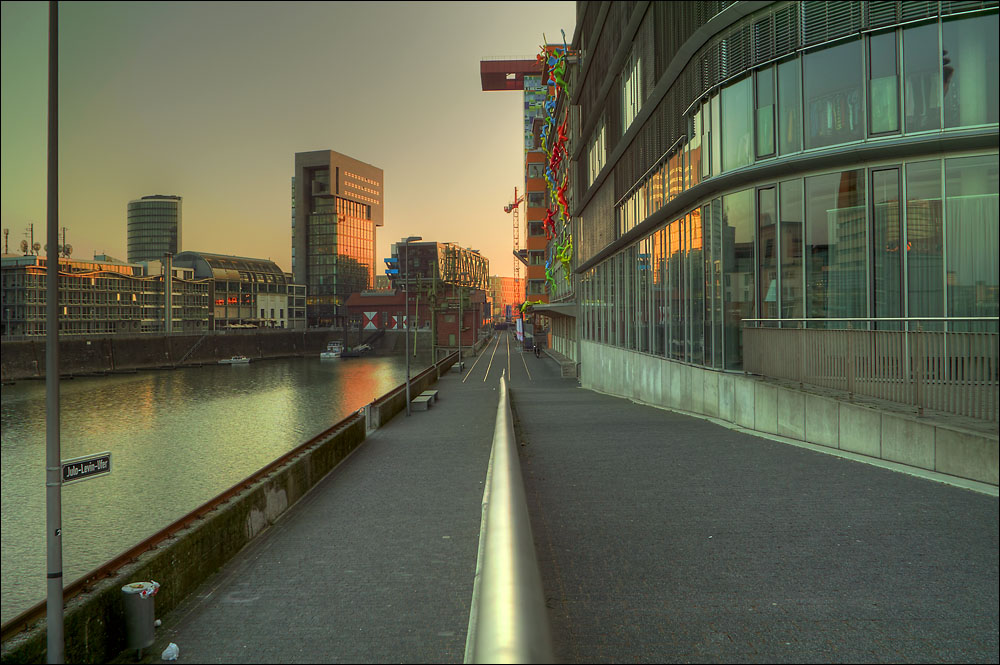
[(515, 208)]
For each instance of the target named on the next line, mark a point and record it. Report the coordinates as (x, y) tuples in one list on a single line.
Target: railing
[(944, 369), (509, 622)]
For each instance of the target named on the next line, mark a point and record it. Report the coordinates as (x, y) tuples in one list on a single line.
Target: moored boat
[(358, 351), (333, 350), (235, 360)]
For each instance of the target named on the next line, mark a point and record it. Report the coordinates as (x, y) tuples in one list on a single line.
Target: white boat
[(333, 350), (235, 360)]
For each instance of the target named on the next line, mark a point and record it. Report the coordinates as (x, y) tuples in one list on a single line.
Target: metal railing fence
[(509, 622), (895, 359)]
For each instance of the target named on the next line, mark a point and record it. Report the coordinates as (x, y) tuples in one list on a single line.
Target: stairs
[(191, 350)]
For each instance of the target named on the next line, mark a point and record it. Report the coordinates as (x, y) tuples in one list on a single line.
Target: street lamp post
[(461, 321), (406, 313)]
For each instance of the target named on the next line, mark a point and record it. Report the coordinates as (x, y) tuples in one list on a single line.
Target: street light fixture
[(406, 313)]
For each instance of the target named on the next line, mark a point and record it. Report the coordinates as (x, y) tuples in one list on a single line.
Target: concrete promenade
[(661, 538)]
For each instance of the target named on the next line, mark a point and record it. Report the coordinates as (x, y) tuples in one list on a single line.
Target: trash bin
[(139, 621)]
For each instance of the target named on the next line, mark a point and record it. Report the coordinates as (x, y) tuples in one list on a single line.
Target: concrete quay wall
[(94, 625), (25, 359), (755, 404)]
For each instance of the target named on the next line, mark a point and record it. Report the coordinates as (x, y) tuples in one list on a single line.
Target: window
[(789, 107), (883, 84), (738, 268), (596, 154), (832, 79), (835, 245), (765, 112), (536, 286), (922, 78), (924, 239), (971, 221), (736, 125), (790, 216), (767, 253), (969, 71), (536, 170), (631, 91), (887, 245)]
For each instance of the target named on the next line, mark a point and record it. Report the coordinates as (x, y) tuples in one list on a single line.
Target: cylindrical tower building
[(154, 227)]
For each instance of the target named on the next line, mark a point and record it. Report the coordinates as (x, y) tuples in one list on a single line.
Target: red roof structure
[(507, 74)]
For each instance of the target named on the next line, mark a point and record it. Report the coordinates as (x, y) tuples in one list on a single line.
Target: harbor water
[(177, 438)]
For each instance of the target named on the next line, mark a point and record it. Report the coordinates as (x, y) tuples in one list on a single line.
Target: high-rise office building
[(154, 227), (336, 206)]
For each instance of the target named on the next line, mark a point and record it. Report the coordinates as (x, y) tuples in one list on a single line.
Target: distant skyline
[(210, 101)]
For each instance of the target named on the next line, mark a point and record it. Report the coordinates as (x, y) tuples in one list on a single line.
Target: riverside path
[(661, 538)]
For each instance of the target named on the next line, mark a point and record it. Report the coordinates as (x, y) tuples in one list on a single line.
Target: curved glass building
[(154, 227), (764, 168)]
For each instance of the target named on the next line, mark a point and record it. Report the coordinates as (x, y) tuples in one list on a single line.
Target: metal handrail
[(511, 624), (953, 371), (879, 318)]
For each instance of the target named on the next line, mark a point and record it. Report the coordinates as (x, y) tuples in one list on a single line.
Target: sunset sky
[(210, 101)]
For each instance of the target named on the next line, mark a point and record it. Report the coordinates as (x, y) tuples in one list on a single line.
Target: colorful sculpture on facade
[(555, 141)]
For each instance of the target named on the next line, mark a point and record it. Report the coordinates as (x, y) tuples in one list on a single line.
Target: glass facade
[(340, 247), (912, 236), (154, 227)]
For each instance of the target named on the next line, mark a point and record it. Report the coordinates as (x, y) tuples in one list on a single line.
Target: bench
[(422, 403), (433, 394)]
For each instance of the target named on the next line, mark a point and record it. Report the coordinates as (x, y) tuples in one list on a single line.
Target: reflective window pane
[(716, 135), (767, 252), (765, 112), (709, 270), (790, 213), (738, 271), (832, 79), (969, 72), (736, 125), (887, 230), (659, 291), (972, 239), (924, 239), (921, 78), (717, 283), (696, 293), (883, 83), (676, 277), (789, 107), (835, 245)]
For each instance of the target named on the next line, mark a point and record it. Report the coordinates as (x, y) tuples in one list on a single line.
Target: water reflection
[(177, 439)]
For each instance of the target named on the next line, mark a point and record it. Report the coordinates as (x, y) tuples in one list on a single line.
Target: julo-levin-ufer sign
[(84, 468)]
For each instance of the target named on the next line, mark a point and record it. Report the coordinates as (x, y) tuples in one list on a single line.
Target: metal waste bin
[(139, 621)]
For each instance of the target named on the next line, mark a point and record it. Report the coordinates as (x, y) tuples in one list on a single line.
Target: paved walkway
[(375, 564), (667, 538), (661, 538)]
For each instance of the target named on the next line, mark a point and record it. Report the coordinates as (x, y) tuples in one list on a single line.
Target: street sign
[(84, 468)]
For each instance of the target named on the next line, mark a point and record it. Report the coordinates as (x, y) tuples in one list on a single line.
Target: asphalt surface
[(661, 538), (667, 538)]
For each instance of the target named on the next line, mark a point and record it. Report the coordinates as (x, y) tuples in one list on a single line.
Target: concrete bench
[(422, 403), (433, 394)]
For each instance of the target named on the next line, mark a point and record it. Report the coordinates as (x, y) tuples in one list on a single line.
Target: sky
[(211, 101)]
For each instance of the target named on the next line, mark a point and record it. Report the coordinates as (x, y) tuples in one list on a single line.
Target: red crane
[(515, 208)]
